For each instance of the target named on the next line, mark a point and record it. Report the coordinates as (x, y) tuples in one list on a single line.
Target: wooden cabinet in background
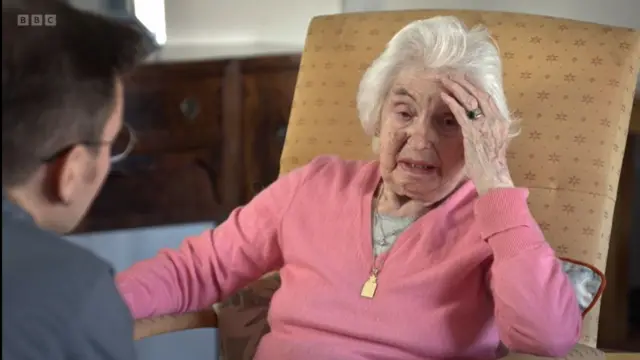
[(267, 97), (210, 134)]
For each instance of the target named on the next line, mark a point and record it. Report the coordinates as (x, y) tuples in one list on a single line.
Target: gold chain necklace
[(369, 288)]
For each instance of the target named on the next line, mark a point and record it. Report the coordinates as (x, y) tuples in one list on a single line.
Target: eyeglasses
[(121, 146)]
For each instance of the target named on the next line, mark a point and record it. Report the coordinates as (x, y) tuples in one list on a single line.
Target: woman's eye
[(450, 121), (405, 115)]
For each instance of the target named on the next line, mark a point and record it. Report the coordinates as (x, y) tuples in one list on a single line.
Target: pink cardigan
[(471, 273)]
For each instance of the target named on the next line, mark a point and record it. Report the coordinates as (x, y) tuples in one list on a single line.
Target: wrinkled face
[(82, 172), (421, 147)]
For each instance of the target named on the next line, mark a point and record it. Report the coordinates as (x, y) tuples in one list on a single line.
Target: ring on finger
[(475, 114)]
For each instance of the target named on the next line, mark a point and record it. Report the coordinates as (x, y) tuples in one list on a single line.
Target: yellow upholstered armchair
[(571, 82)]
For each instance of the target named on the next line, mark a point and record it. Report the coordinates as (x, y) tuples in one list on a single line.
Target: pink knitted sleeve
[(209, 267), (535, 305)]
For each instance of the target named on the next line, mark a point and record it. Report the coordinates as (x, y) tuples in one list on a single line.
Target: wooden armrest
[(580, 352), (143, 328), (171, 323)]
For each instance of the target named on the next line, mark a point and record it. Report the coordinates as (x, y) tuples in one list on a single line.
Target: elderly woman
[(428, 253)]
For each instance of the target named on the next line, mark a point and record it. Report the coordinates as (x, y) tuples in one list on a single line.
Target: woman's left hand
[(485, 138)]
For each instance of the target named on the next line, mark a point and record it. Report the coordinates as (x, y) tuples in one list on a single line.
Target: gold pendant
[(369, 287)]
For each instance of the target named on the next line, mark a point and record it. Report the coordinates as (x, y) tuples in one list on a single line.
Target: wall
[(612, 12), (272, 21), (191, 22)]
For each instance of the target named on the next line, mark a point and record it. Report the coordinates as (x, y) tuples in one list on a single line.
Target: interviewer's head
[(400, 106), (62, 103)]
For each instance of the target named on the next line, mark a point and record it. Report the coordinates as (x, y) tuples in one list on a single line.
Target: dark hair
[(58, 80)]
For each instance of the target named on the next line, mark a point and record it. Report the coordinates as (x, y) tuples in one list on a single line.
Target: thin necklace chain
[(378, 221), (376, 215), (384, 240)]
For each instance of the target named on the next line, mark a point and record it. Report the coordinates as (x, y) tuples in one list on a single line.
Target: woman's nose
[(421, 136)]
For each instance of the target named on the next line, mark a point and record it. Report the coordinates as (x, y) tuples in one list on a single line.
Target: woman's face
[(421, 147)]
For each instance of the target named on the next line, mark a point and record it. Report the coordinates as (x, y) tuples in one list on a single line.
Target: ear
[(69, 171)]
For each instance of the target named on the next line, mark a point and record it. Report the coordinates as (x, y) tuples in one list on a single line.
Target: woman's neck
[(391, 204)]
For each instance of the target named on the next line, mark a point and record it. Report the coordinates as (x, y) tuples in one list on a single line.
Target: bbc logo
[(37, 20)]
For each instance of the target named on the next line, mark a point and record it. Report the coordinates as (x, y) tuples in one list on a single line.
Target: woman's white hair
[(441, 43)]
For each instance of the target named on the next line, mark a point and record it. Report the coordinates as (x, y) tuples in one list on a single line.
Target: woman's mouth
[(417, 167)]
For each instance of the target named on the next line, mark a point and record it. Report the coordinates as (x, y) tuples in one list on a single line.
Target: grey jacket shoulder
[(25, 246), (59, 301)]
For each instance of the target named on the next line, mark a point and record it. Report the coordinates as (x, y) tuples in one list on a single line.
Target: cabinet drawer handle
[(190, 108), (256, 187), (281, 133)]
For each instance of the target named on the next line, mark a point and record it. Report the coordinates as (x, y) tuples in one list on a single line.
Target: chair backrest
[(572, 83)]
